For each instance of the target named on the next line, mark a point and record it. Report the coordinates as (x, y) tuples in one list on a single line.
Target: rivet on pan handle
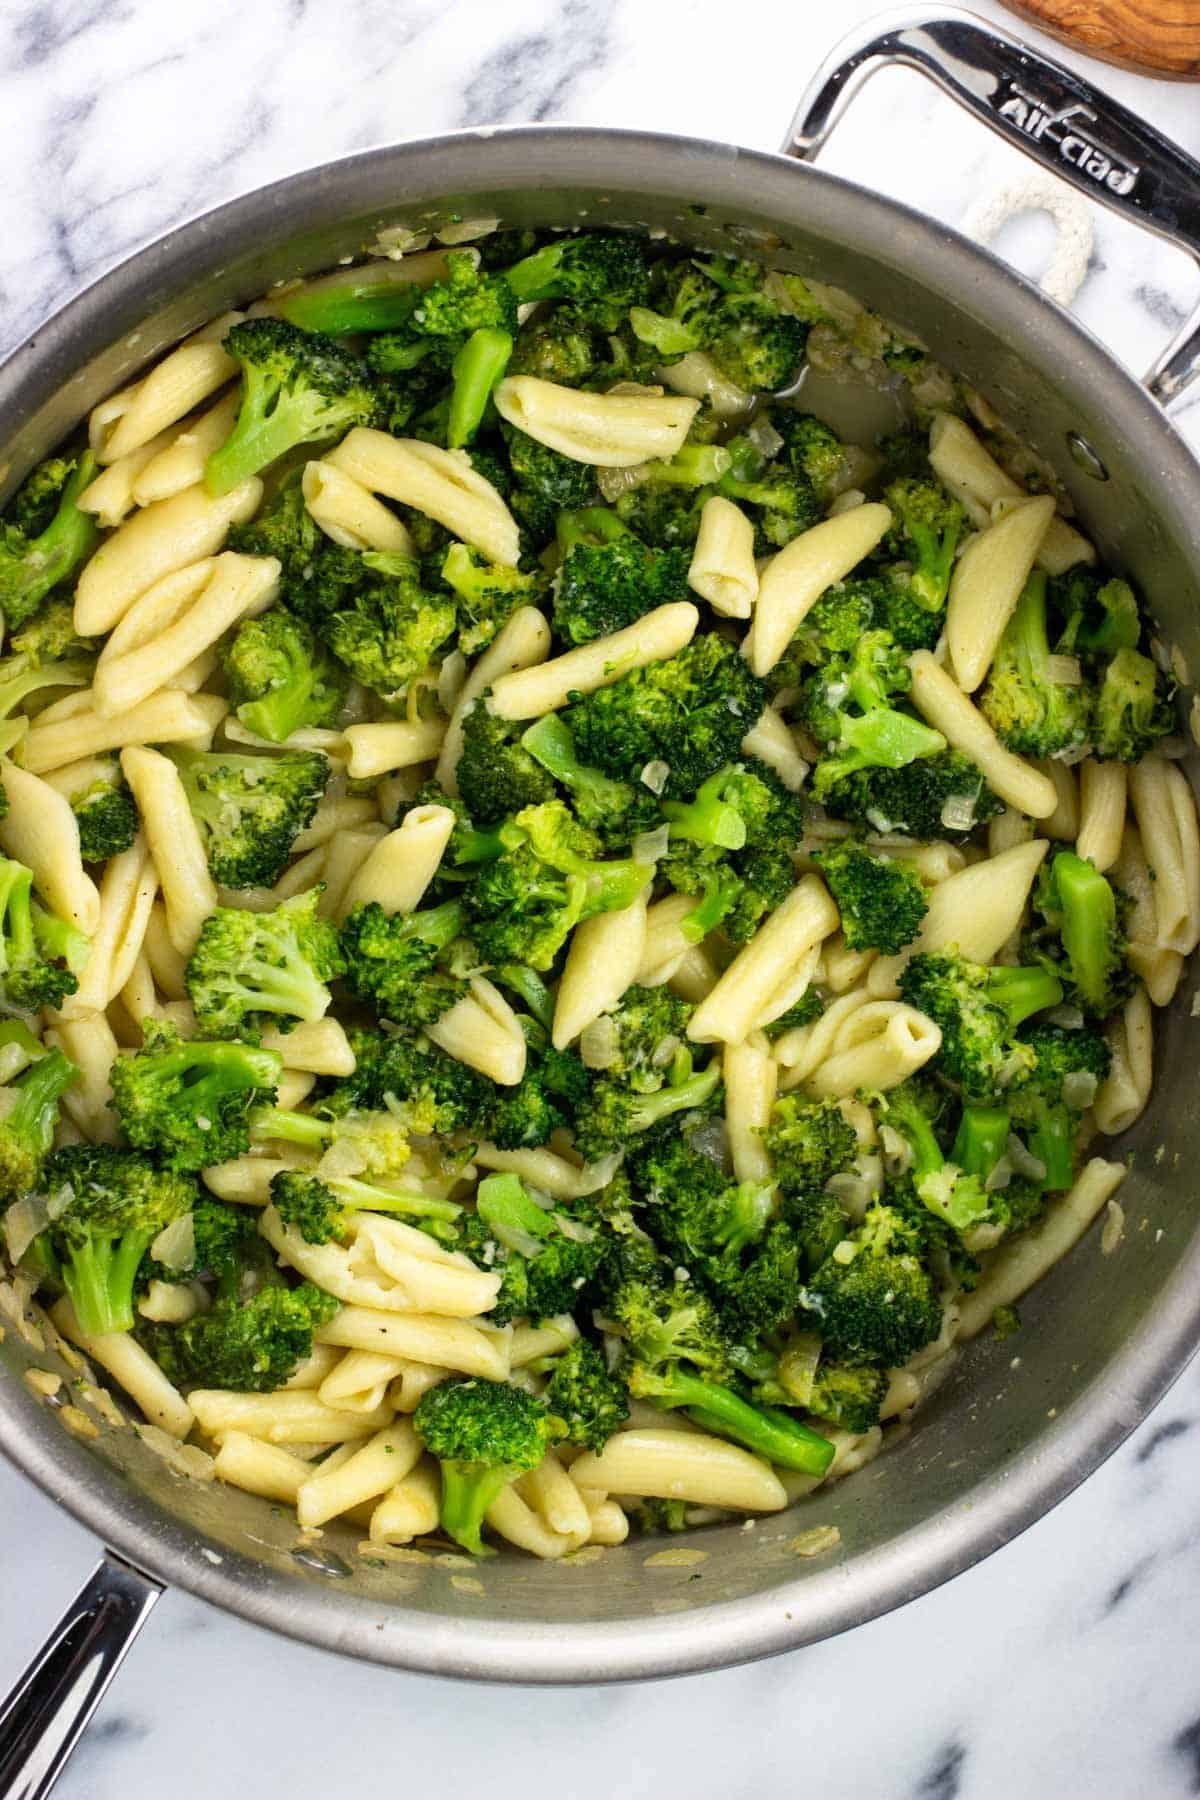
[(42, 1718), (1056, 117)]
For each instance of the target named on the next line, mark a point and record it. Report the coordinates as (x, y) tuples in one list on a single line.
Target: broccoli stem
[(468, 1489), (550, 743), (363, 1196), (590, 525), (530, 987), (981, 1140), (536, 277), (719, 894), (27, 680), (356, 302), (99, 1274), (264, 431), (651, 1109), (1023, 992), (1089, 926), (1051, 1139), (35, 1114), (769, 1432), (708, 819), (476, 370)]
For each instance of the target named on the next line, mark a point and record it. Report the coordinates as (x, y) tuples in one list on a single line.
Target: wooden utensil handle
[(1160, 36)]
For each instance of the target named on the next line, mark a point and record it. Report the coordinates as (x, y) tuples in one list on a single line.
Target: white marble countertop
[(1065, 1665)]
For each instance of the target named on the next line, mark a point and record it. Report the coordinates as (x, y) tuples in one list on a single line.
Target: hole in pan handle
[(1072, 129), (42, 1718)]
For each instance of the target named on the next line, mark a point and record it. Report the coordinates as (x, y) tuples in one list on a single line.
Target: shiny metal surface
[(1049, 113), (997, 1445), (43, 1717)]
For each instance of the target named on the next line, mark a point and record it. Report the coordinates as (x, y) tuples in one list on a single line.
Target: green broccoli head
[(546, 1256), (114, 1204), (881, 901), (28, 1119), (485, 1435), (808, 1141), (873, 1299), (978, 1008), (107, 816), (488, 594), (251, 1345), (940, 796), (1134, 708), (1100, 612), (189, 1101), (391, 961), (609, 578), (848, 1395), (413, 1072), (253, 969), (591, 1402), (280, 679), (251, 809), (602, 273), (690, 712), (617, 811), (496, 774), (41, 956), (1084, 943), (544, 484), (285, 529), (370, 609), (297, 388), (1025, 701), (928, 524), (45, 536)]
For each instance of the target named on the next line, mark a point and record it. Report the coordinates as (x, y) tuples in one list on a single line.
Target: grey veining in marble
[(1063, 1667)]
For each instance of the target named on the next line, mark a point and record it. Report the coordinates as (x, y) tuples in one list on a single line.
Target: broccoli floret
[(954, 1193), (810, 447), (609, 578), (769, 1432), (246, 1346), (942, 796), (496, 774), (285, 529), (116, 1205), (546, 881), (668, 1321), (690, 711), (817, 1221), (371, 610), (928, 524), (545, 483), (297, 388), (45, 537), (485, 1435), (189, 1101), (228, 1252), (320, 1210), (614, 1112), (1101, 612), (28, 1117), (615, 810), (444, 316), (391, 961), (874, 735), (251, 809), (781, 498), (978, 1009), (562, 344), (414, 1072), (474, 374), (525, 1116), (488, 593), (46, 655), (253, 969), (591, 1403), (1031, 711), (721, 307), (544, 1256), (848, 1395), (873, 1300), (831, 628), (1046, 1106), (646, 1033), (41, 956), (280, 679), (1134, 708), (808, 1141), (881, 902), (603, 274), (1079, 905), (806, 1009), (107, 816)]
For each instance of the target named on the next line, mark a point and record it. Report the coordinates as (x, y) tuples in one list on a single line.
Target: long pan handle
[(42, 1718), (1074, 130)]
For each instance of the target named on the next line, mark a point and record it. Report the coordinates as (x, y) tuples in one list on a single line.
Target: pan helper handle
[(1075, 131)]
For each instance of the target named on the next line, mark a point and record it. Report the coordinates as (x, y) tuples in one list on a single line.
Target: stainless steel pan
[(998, 1445)]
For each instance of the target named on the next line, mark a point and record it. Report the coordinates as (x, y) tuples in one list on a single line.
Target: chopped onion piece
[(1069, 1017), (598, 1043), (763, 435), (712, 1140), (655, 775), (651, 846), (615, 482), (1000, 1176), (1079, 1089), (175, 1245), (958, 811), (1064, 671), (1023, 1162), (23, 1221)]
